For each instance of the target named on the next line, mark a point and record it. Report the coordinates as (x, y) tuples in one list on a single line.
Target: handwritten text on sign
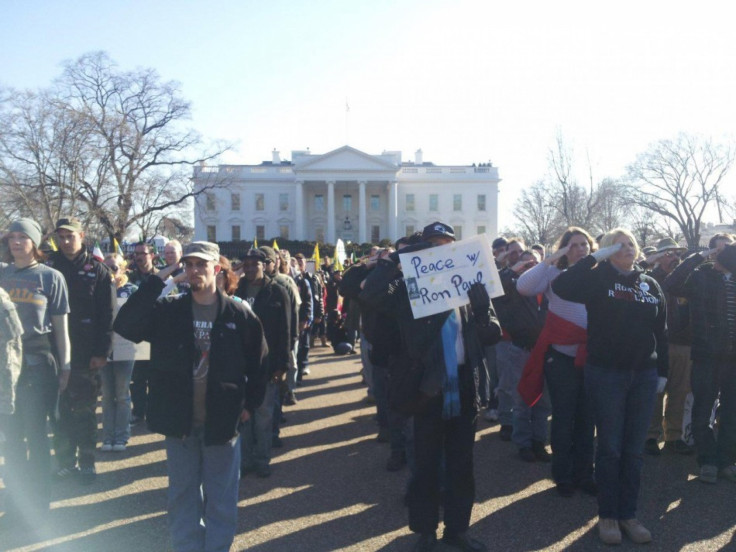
[(438, 279)]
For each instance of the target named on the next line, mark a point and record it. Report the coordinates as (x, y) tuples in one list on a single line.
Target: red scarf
[(556, 331)]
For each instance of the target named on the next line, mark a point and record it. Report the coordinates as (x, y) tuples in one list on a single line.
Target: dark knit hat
[(269, 252), (727, 258)]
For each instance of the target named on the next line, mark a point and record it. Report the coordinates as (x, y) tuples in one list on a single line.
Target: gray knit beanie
[(29, 227)]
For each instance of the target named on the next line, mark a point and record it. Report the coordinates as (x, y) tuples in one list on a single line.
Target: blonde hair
[(612, 235), (121, 278)]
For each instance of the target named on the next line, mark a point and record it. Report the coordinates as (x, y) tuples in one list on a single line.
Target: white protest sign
[(438, 278)]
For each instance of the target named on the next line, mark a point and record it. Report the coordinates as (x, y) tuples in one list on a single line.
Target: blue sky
[(466, 81)]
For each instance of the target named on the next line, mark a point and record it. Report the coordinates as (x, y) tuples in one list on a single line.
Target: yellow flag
[(337, 265), (52, 244), (255, 243), (275, 246), (315, 256)]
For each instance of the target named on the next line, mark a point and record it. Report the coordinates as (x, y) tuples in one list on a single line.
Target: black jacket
[(678, 312), (91, 304), (627, 314), (237, 373), (272, 306), (421, 341), (522, 317), (380, 329), (704, 288)]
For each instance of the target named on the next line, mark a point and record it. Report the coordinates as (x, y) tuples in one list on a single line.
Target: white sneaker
[(106, 447), (635, 531), (118, 447), (609, 531)]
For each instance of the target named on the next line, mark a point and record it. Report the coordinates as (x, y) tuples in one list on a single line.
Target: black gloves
[(480, 302)]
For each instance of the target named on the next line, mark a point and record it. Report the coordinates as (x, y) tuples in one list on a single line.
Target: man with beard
[(207, 374)]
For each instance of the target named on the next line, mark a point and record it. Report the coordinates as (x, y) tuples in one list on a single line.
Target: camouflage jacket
[(10, 352)]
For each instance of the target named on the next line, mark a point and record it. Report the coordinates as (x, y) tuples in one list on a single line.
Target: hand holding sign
[(439, 278)]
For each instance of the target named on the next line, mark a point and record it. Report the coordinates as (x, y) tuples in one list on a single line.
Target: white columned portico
[(330, 211), (362, 222), (393, 214), (299, 219)]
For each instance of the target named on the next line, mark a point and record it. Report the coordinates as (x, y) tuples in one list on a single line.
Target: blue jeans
[(116, 401), (572, 420), (257, 433), (506, 386), (622, 401), (203, 493), (707, 379), (530, 422)]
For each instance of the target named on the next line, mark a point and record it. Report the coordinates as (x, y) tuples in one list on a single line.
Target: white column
[(330, 238), (299, 209), (362, 219), (393, 213)]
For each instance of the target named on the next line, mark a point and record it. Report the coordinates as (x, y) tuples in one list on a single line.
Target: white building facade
[(345, 194)]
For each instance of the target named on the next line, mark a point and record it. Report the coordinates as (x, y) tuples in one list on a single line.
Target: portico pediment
[(345, 160)]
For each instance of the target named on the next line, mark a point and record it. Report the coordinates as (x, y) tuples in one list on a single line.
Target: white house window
[(458, 232), (283, 202), (260, 202), (481, 229), (409, 202), (481, 202), (433, 202), (236, 232), (319, 234), (260, 232), (347, 203), (235, 202), (284, 231), (457, 202), (375, 203), (212, 233), (409, 229), (209, 201), (319, 203)]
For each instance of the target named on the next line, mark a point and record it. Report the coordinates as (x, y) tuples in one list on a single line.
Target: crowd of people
[(598, 349)]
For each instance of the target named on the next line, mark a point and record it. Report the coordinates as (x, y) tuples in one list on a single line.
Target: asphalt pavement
[(330, 491)]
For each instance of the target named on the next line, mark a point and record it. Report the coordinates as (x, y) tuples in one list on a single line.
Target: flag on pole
[(337, 264), (275, 246), (315, 256), (97, 252), (52, 244), (116, 247), (255, 243), (352, 257)]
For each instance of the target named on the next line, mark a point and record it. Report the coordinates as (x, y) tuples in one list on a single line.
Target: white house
[(346, 194)]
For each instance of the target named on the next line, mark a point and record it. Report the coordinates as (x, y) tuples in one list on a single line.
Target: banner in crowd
[(438, 278)]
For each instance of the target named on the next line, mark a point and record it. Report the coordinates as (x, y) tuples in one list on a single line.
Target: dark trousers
[(572, 420), (76, 430), (27, 449), (139, 388), (433, 438), (302, 354), (380, 393), (707, 379)]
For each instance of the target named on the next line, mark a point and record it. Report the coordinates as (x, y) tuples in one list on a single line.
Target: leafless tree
[(538, 220), (681, 179), (108, 145)]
